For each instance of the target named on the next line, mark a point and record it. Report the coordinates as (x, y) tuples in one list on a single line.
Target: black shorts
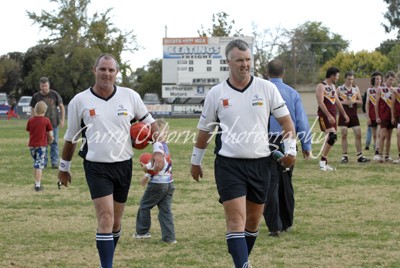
[(397, 121), (387, 124), (373, 123), (353, 121), (236, 177), (109, 178)]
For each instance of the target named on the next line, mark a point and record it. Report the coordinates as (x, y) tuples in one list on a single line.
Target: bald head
[(275, 69)]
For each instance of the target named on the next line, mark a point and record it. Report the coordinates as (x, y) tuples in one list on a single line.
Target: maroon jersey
[(385, 104), (348, 94), (397, 102), (329, 100), (371, 98)]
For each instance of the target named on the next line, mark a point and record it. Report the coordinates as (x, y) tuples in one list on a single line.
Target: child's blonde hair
[(40, 108), (163, 127)]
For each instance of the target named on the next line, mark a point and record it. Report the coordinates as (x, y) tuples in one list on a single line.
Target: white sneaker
[(388, 159), (325, 167), (397, 161), (143, 236), (377, 157)]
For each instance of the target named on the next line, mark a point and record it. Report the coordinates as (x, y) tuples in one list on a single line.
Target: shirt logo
[(92, 112), (121, 111), (257, 101), (225, 103)]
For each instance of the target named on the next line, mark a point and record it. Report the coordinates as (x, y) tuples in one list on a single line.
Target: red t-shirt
[(38, 126)]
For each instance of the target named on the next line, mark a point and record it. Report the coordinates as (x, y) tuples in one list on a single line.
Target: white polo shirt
[(242, 117), (103, 125)]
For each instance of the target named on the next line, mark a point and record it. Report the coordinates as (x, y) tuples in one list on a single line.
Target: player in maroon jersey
[(350, 97), (383, 111), (327, 98)]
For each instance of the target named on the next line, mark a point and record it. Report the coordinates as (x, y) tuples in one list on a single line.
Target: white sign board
[(191, 66)]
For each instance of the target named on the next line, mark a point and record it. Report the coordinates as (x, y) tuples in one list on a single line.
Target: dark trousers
[(279, 207)]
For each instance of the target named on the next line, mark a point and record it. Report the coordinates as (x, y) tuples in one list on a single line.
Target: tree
[(266, 46), (394, 55), (393, 16), (362, 63), (310, 46), (72, 32), (10, 72), (149, 80), (220, 27)]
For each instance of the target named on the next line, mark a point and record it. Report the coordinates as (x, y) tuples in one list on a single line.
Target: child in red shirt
[(40, 135), (11, 111)]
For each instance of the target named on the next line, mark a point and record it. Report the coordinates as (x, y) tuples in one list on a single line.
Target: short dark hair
[(331, 71), (239, 43), (348, 73), (390, 74), (275, 68), (106, 56), (44, 80), (373, 75)]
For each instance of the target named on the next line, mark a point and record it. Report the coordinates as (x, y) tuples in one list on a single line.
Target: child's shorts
[(38, 154)]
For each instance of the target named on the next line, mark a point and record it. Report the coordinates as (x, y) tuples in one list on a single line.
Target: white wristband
[(158, 147), (290, 146), (197, 156), (64, 165)]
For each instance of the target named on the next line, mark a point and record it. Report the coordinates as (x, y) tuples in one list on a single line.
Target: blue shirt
[(297, 112)]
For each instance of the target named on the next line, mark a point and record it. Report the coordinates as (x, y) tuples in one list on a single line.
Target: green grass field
[(347, 218)]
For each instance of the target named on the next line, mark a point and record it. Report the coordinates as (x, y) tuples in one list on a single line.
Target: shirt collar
[(276, 79)]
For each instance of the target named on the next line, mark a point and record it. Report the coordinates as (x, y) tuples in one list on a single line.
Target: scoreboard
[(192, 65)]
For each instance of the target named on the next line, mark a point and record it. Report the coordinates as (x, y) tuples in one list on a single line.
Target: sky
[(358, 21)]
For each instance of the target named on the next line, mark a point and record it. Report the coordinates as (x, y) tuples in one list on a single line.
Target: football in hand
[(140, 135), (145, 158)]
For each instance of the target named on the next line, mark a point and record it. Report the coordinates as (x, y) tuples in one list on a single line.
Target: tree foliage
[(362, 63), (74, 43), (220, 27), (10, 72), (310, 46), (267, 43), (393, 16), (149, 80)]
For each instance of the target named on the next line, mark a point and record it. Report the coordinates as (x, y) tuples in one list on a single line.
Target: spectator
[(279, 208), (54, 102)]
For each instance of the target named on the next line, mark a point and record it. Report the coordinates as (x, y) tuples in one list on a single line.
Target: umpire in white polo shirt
[(240, 107)]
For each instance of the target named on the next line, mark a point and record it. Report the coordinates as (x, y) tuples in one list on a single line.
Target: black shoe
[(362, 159), (39, 188), (345, 159), (367, 147), (54, 166), (274, 234)]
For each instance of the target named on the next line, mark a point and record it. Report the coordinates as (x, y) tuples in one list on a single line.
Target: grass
[(347, 218)]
